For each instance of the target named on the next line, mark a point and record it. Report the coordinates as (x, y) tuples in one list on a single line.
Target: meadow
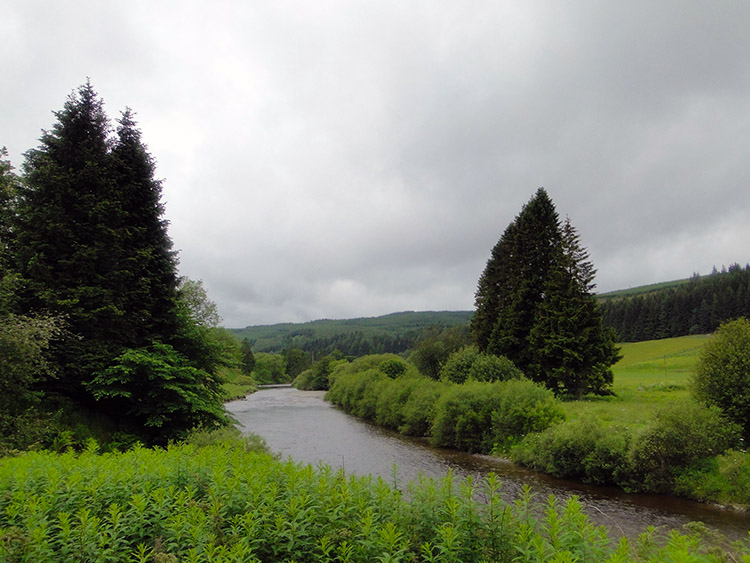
[(649, 376)]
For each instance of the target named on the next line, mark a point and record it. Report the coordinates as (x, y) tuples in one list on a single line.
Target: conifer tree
[(512, 285), (571, 351), (149, 285), (67, 238), (93, 248), (534, 304)]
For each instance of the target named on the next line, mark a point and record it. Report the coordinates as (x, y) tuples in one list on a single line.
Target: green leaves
[(159, 388), (221, 503), (722, 376), (90, 246)]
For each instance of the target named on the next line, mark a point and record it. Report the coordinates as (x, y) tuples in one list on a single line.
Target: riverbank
[(649, 437), (303, 426), (221, 502)]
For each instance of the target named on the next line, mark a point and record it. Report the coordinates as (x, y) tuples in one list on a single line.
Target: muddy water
[(301, 425)]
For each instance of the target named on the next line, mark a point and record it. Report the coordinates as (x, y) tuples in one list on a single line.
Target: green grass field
[(649, 374)]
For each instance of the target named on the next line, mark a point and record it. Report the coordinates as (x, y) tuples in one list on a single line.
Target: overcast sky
[(347, 158)]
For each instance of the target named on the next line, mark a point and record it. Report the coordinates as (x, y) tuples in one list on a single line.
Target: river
[(303, 426)]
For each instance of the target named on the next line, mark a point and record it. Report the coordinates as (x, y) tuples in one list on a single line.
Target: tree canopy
[(91, 247), (535, 306), (722, 376)]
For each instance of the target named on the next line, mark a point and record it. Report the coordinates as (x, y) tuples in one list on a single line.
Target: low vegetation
[(230, 501), (650, 435)]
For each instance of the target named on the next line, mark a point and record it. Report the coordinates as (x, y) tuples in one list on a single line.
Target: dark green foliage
[(533, 246), (23, 366), (722, 376), (321, 369), (68, 239), (9, 184), (534, 304), (147, 279), (435, 347), (457, 366), (161, 390), (296, 360), (698, 305), (91, 247), (395, 333), (572, 352), (247, 363)]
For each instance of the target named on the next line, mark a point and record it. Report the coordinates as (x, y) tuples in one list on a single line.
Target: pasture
[(649, 374)]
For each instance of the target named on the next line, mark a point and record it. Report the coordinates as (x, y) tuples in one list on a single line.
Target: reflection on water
[(301, 425)]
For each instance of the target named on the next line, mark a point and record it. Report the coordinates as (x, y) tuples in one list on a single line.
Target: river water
[(301, 425)]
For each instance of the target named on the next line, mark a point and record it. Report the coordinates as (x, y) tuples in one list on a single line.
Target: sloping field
[(649, 374)]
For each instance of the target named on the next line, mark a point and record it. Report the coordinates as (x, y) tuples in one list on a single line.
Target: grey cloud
[(357, 158)]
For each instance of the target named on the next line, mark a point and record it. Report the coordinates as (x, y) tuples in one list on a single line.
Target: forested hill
[(396, 333), (697, 305)]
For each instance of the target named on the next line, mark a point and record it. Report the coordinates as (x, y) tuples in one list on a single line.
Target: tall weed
[(221, 503)]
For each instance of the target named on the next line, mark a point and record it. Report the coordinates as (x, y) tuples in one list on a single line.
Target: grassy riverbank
[(229, 501), (649, 436)]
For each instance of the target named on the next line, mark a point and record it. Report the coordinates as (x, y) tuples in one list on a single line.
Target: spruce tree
[(92, 247), (534, 304), (512, 285), (67, 238), (149, 283), (571, 351)]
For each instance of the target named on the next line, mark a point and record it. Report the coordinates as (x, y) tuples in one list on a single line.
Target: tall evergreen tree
[(572, 352), (512, 284), (92, 247), (67, 237), (534, 304), (149, 283)]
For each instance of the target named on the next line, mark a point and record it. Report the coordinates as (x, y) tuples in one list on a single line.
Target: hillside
[(396, 333), (695, 305)]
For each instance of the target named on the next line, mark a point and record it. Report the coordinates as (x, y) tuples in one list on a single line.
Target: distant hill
[(641, 290), (695, 305), (395, 333)]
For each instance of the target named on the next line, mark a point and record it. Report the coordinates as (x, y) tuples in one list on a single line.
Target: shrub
[(463, 417), (393, 367), (680, 435), (468, 363), (581, 449), (419, 409), (487, 367), (722, 376), (457, 366), (724, 479), (479, 416), (392, 400), (525, 407)]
